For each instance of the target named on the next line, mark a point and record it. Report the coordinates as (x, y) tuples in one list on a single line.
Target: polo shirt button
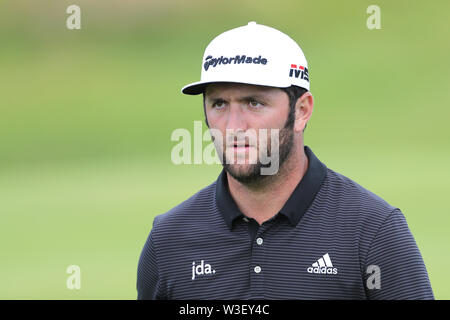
[(259, 241), (257, 269), (245, 219)]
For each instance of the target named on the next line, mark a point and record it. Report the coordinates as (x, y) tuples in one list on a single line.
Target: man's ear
[(204, 110), (303, 111)]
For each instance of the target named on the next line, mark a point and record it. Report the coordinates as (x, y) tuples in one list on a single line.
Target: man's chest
[(271, 265)]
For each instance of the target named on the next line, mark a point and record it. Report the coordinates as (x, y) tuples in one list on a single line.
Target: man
[(296, 231)]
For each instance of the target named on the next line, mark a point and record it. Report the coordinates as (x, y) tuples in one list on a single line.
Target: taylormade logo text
[(211, 61)]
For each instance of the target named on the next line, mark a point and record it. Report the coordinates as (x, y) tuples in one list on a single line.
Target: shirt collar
[(294, 208)]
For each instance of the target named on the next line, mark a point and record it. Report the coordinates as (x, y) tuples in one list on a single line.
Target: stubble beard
[(250, 174)]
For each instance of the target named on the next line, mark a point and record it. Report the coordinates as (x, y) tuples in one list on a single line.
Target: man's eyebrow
[(255, 96), (214, 99)]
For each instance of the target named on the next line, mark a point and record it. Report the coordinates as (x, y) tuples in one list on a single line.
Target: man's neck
[(266, 201)]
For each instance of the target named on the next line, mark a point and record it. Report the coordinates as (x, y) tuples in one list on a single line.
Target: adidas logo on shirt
[(323, 266)]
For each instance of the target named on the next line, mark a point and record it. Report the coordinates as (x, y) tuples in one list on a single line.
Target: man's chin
[(244, 173), (241, 169)]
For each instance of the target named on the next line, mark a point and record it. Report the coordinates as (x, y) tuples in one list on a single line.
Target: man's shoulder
[(193, 207), (343, 190), (344, 205)]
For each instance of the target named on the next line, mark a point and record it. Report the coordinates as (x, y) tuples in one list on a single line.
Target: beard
[(250, 174)]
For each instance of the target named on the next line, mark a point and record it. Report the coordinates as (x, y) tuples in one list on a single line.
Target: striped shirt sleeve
[(394, 266), (147, 274)]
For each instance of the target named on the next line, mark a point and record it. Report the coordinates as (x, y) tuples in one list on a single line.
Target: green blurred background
[(86, 118)]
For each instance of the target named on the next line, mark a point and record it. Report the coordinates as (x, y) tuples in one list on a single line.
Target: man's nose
[(236, 118)]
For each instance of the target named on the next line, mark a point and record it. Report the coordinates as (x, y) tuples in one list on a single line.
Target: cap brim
[(194, 88), (199, 87)]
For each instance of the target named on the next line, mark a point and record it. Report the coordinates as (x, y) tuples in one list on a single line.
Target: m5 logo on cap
[(301, 72), (210, 61)]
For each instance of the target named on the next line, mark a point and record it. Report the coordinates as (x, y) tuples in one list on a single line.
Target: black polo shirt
[(332, 239)]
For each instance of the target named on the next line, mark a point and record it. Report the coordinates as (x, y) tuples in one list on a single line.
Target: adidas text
[(323, 270), (323, 266)]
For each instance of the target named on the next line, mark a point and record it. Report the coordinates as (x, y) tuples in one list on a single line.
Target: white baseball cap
[(252, 54)]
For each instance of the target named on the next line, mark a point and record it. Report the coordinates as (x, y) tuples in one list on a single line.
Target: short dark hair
[(293, 92)]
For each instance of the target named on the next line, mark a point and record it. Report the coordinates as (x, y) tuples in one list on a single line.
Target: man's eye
[(255, 104), (218, 105)]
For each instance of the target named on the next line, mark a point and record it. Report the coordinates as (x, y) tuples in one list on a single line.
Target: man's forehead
[(224, 87)]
